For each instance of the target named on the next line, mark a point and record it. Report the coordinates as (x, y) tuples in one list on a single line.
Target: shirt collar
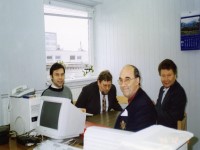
[(131, 99), (55, 87)]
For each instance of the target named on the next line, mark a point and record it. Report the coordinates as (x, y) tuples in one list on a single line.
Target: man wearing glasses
[(140, 112), (100, 96)]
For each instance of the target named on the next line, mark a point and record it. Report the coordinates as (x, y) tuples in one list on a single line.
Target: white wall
[(143, 33), (22, 50), (140, 32), (22, 53)]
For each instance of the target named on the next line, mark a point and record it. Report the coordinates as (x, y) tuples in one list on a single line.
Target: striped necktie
[(104, 104)]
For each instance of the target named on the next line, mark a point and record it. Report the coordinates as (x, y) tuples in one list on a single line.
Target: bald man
[(140, 112)]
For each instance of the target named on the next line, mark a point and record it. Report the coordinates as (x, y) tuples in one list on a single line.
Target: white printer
[(24, 114)]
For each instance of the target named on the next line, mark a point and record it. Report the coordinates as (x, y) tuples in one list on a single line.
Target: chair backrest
[(74, 101), (182, 124), (122, 100)]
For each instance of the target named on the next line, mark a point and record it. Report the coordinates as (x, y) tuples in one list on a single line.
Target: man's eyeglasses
[(125, 81)]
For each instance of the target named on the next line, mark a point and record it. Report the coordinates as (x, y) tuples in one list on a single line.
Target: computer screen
[(48, 109), (59, 118)]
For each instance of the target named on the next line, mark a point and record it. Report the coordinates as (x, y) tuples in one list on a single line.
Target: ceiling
[(86, 2)]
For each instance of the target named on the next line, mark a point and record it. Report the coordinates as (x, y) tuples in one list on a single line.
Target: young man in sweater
[(57, 88)]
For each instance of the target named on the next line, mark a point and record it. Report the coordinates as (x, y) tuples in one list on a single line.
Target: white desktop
[(23, 114)]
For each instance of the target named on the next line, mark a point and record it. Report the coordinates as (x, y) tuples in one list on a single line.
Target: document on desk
[(88, 114), (101, 138), (155, 137), (51, 145)]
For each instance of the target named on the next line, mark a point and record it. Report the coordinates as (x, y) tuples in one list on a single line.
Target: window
[(72, 57), (68, 36)]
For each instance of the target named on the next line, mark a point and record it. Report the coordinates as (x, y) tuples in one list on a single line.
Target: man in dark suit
[(99, 96), (140, 112), (172, 99)]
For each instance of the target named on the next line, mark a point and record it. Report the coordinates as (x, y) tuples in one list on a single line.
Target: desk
[(13, 145), (106, 119)]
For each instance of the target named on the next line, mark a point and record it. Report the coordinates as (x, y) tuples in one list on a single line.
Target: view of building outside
[(66, 35)]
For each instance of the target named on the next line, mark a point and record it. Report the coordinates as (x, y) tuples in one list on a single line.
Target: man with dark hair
[(57, 88), (172, 99), (99, 96), (140, 112)]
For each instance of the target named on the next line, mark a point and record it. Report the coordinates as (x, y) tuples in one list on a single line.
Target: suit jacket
[(89, 98), (140, 114), (173, 106)]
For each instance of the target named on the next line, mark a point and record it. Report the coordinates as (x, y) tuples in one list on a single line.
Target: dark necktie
[(104, 104)]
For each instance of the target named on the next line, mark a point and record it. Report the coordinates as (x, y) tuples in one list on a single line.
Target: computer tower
[(24, 114)]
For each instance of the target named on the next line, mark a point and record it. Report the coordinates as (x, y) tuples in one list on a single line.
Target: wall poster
[(190, 31)]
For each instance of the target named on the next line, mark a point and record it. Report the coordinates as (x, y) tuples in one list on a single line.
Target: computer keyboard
[(51, 145)]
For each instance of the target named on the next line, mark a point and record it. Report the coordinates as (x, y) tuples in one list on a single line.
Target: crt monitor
[(59, 118)]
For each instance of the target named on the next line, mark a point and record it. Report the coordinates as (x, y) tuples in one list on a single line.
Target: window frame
[(90, 10)]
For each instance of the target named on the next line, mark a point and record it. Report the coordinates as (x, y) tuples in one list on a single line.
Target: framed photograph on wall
[(190, 31)]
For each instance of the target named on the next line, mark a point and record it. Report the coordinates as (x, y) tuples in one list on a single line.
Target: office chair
[(182, 124), (74, 101), (122, 100)]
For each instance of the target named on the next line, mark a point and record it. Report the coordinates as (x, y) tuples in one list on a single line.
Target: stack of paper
[(100, 138), (156, 137)]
